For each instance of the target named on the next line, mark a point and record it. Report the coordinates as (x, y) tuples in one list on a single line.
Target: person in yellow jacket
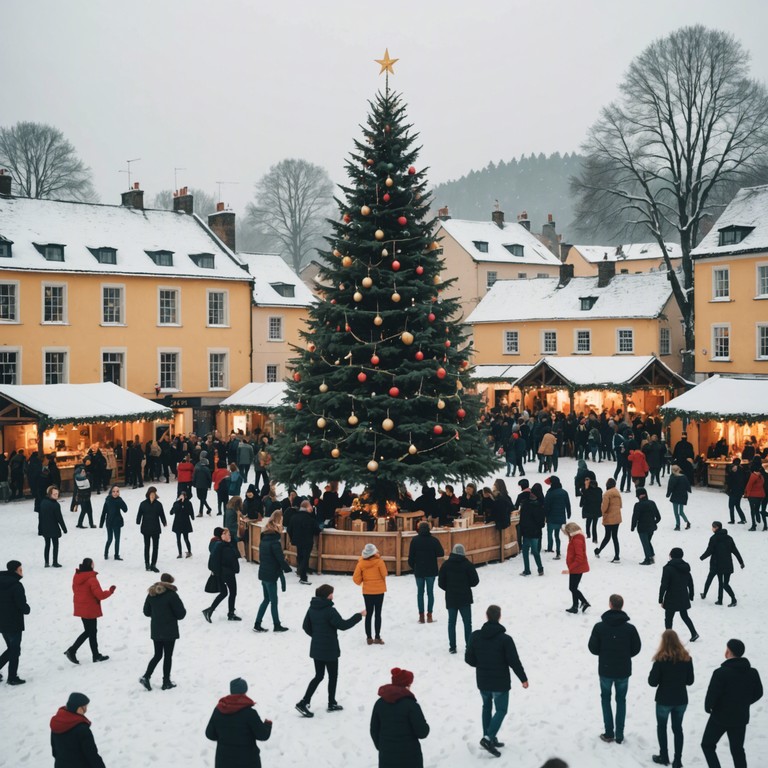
[(371, 572)]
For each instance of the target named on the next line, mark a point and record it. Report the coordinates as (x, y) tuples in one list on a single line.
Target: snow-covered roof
[(82, 403), (722, 399), (625, 296), (131, 232), (749, 209), (270, 274), (256, 396), (468, 233), (510, 373), (627, 252)]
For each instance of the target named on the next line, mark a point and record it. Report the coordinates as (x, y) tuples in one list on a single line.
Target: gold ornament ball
[(378, 320), (357, 296), (384, 252), (412, 449), (335, 453), (396, 297), (365, 210), (379, 234), (367, 282), (407, 338), (389, 181), (434, 245), (323, 387), (373, 465), (388, 425), (321, 423), (346, 261), (336, 252), (437, 280), (441, 404), (352, 420)]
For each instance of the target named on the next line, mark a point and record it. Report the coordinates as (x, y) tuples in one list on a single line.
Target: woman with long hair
[(501, 511), (671, 673), (150, 517), (577, 565), (50, 524), (272, 566), (183, 514), (610, 507), (112, 517)]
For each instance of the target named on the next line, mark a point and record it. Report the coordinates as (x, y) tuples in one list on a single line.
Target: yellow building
[(632, 258), (478, 253), (151, 300)]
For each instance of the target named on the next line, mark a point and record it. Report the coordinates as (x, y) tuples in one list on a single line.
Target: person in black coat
[(721, 550), (530, 503), (322, 623), (135, 460), (397, 723), (72, 742), (272, 566), (456, 578), (423, 555), (302, 529), (614, 641), (676, 591), (582, 472), (591, 500), (13, 609), (183, 514), (501, 511), (223, 563), (735, 484), (678, 489), (50, 524), (150, 516), (645, 517), (235, 726), (734, 687), (112, 517), (492, 652), (165, 609)]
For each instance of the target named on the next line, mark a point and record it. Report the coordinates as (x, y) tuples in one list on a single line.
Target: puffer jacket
[(611, 507), (88, 594), (165, 609), (371, 572)]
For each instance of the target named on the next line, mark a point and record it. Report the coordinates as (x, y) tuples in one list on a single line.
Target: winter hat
[(238, 686), (736, 647), (676, 552), (458, 549), (217, 532), (167, 578), (77, 700), (404, 678), (324, 590), (369, 550)]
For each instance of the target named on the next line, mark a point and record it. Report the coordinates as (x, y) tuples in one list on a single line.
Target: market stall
[(252, 407), (496, 384)]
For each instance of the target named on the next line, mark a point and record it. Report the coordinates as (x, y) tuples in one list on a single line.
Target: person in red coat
[(184, 472), (578, 565), (638, 468), (88, 595), (754, 493)]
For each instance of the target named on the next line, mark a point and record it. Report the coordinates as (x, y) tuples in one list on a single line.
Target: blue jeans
[(492, 723), (645, 540), (662, 715), (429, 583), (606, 684), (269, 588), (553, 529), (679, 511), (12, 653), (112, 532), (466, 617), (534, 547)]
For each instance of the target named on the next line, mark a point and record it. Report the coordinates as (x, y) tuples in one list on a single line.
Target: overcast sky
[(226, 88)]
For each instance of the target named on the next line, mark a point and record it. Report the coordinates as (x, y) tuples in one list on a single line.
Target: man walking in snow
[(13, 609), (72, 742)]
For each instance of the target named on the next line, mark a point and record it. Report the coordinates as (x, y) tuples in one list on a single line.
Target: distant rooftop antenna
[(496, 205), (219, 184), (128, 163), (175, 180)]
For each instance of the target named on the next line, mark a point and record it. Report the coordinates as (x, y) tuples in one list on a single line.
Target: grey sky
[(225, 88)]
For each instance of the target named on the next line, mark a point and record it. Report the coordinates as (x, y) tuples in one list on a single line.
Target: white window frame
[(17, 351), (281, 319), (64, 304), (115, 351), (170, 351), (267, 378), (219, 351), (758, 267), (544, 350), (225, 293), (123, 305), (506, 346), (721, 269), (714, 356), (665, 342), (55, 350), (17, 293), (177, 291), (619, 350), (760, 327), (576, 350), (489, 283)]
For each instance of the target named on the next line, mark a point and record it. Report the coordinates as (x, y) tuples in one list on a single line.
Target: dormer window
[(104, 255), (286, 290), (587, 302), (161, 258), (51, 251), (732, 235), (515, 249), (204, 260), (481, 245), (5, 248)]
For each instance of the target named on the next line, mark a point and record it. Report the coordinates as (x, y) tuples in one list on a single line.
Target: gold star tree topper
[(386, 63)]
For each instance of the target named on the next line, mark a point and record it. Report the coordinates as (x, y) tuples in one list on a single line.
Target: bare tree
[(688, 126), (44, 164), (292, 201), (202, 202)]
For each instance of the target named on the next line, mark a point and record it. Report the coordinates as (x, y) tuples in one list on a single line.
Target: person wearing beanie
[(371, 573), (645, 517), (721, 550), (223, 563), (13, 609), (87, 595), (72, 742), (150, 517), (735, 685), (164, 608), (456, 578), (322, 623), (236, 728), (492, 652), (272, 566), (201, 482), (423, 554), (557, 510), (576, 565), (397, 723), (676, 591)]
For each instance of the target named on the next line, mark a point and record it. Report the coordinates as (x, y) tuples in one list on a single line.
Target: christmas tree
[(379, 393)]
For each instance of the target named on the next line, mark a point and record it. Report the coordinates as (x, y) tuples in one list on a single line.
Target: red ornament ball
[(299, 405), (362, 377), (431, 317), (375, 360), (419, 270), (461, 413), (447, 343), (394, 391), (333, 301), (464, 363), (411, 170), (419, 355), (402, 221), (386, 198), (441, 373), (369, 161), (297, 376), (347, 328), (306, 450), (395, 265), (347, 218), (437, 429)]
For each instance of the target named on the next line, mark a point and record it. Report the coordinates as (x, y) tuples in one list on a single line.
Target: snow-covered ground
[(559, 715)]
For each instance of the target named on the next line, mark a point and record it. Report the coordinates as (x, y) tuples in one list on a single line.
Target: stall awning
[(744, 401), (505, 373), (620, 373), (49, 404), (256, 396)]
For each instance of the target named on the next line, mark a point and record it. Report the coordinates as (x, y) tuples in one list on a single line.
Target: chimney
[(182, 201), (524, 220), (497, 216), (5, 183), (566, 273), (223, 225), (606, 271), (443, 213), (564, 248), (134, 198), (549, 236)]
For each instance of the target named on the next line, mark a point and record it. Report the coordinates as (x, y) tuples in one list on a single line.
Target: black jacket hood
[(614, 618)]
